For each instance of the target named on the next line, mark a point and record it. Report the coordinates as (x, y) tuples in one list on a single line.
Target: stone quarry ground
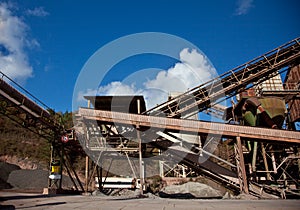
[(22, 189), (36, 201)]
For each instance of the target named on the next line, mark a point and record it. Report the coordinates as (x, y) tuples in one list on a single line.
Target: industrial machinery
[(256, 151)]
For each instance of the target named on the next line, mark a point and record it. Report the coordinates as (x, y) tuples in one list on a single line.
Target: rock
[(190, 190), (244, 196), (151, 196), (227, 196), (98, 193)]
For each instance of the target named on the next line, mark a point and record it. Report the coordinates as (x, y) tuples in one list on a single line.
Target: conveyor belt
[(166, 116), (229, 83), (206, 167), (32, 114), (11, 94), (36, 119), (193, 126)]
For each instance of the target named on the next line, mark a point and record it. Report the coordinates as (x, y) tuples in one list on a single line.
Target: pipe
[(140, 150)]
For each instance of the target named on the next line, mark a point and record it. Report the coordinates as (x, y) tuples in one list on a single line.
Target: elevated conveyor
[(169, 115), (231, 82), (28, 111), (191, 126)]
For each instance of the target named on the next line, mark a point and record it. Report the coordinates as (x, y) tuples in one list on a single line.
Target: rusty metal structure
[(258, 158), (292, 86), (29, 112), (243, 157)]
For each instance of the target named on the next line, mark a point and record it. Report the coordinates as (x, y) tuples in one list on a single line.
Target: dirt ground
[(13, 200)]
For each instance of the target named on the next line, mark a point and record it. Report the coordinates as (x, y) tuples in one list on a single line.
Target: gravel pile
[(28, 179), (12, 176), (33, 179), (5, 170), (190, 190), (126, 193)]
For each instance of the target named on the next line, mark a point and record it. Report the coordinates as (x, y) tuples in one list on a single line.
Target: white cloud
[(38, 11), (192, 70), (243, 7), (13, 40), (117, 88)]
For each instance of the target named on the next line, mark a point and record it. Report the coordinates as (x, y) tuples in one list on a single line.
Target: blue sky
[(52, 40)]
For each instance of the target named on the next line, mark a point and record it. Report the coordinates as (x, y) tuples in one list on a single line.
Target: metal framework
[(168, 117), (192, 126), (32, 114), (231, 82)]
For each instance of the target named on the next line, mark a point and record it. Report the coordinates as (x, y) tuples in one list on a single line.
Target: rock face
[(190, 190)]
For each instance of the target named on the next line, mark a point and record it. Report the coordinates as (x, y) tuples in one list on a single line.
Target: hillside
[(22, 144)]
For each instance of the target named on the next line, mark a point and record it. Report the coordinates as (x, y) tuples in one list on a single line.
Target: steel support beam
[(193, 126), (241, 166)]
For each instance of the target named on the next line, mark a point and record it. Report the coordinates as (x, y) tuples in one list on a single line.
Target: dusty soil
[(37, 201)]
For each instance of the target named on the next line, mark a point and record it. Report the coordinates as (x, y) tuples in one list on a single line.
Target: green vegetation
[(22, 143)]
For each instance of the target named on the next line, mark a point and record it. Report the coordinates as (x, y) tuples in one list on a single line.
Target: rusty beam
[(240, 163), (193, 126)]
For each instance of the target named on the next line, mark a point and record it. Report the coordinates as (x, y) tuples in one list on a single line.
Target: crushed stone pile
[(28, 179), (5, 170), (13, 177), (33, 179), (190, 190)]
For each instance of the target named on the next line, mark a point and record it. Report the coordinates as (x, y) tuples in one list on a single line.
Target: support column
[(87, 161), (61, 167), (86, 173), (141, 164), (263, 152), (254, 157), (161, 168), (241, 166)]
